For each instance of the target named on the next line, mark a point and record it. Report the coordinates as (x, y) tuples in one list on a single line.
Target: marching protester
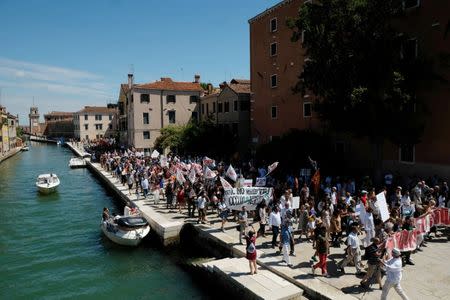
[(331, 213), (393, 275)]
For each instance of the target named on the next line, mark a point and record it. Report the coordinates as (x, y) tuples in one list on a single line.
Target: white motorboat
[(77, 162), (127, 230), (47, 183), (26, 148)]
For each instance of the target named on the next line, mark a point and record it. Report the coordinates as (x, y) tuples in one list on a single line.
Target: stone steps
[(263, 285)]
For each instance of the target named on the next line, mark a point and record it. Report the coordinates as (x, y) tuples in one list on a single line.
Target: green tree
[(355, 68), (170, 138)]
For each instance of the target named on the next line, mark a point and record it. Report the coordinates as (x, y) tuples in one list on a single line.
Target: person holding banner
[(393, 275)]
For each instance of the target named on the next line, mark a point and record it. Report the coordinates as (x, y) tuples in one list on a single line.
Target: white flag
[(180, 177), (155, 154), (208, 162), (272, 167), (231, 173), (225, 184), (209, 174), (192, 176)]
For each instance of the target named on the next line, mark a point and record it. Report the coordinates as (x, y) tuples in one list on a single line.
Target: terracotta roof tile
[(97, 109), (59, 113), (170, 85), (241, 81), (240, 88)]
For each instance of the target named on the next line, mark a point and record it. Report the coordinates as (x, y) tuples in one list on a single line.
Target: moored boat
[(127, 230), (47, 183), (25, 148), (77, 162)]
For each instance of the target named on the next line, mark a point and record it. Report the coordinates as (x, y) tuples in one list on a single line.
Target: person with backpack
[(251, 251)]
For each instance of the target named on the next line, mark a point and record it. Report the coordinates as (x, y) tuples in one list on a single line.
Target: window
[(307, 109), (273, 81), (110, 126), (98, 117), (274, 112), (193, 99), (220, 107), (245, 105), (146, 118), (171, 99), (409, 49), (214, 107), (407, 153), (194, 116), (407, 4), (273, 25), (203, 109), (86, 126), (171, 117), (207, 108), (85, 117), (226, 107), (97, 136), (235, 105), (146, 135), (87, 137), (273, 49), (110, 117), (145, 98), (98, 126)]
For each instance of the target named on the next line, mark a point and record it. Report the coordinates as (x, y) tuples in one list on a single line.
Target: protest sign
[(247, 196), (248, 183), (384, 211), (225, 183), (180, 177), (155, 154), (208, 162), (272, 167), (209, 174), (163, 161), (192, 175), (260, 181), (295, 202)]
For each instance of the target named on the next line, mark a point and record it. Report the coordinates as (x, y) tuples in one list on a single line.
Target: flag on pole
[(315, 181), (192, 175), (180, 177), (272, 167), (225, 184), (231, 173), (208, 174), (208, 162)]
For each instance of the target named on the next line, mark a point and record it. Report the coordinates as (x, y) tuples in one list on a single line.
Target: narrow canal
[(51, 246)]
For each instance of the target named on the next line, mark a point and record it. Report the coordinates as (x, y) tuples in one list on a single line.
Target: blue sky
[(67, 54)]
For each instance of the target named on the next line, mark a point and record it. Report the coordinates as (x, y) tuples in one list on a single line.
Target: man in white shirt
[(353, 251), (275, 222), (144, 185), (393, 275)]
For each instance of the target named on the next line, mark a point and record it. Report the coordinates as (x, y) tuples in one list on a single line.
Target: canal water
[(52, 247)]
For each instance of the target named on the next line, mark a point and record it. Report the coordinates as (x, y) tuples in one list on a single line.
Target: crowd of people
[(341, 211)]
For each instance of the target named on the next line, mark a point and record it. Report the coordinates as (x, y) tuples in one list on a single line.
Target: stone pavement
[(428, 279)]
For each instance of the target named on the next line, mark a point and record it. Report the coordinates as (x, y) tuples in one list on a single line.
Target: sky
[(64, 55)]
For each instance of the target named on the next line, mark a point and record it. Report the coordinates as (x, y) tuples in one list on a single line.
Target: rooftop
[(167, 83), (59, 113), (97, 109), (269, 10)]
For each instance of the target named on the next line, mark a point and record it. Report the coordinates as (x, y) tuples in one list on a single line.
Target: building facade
[(230, 108), (95, 122), (8, 131), (59, 124), (155, 105), (275, 64), (33, 116)]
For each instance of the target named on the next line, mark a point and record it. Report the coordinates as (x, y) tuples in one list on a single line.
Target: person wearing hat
[(364, 197), (393, 275)]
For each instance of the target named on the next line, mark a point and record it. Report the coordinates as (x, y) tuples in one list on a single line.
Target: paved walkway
[(10, 154)]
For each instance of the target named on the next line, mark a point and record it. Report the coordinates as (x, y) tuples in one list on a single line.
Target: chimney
[(197, 78), (130, 81), (210, 88)]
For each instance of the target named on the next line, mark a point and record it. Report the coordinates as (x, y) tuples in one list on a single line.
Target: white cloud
[(53, 87)]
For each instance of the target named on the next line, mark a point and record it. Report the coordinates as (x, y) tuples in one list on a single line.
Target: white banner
[(247, 196), (384, 211), (248, 183), (231, 173), (163, 161), (295, 202), (225, 183)]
